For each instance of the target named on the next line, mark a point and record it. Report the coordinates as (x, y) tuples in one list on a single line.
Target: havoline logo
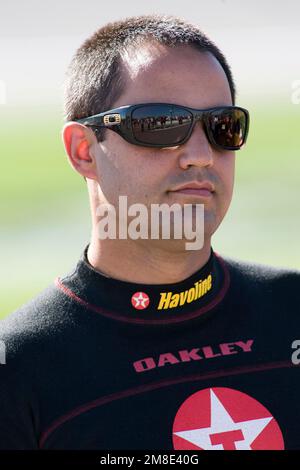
[(172, 300)]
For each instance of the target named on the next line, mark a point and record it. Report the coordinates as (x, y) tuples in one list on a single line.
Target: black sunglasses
[(169, 125)]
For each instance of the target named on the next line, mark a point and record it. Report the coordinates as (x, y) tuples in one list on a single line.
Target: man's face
[(146, 175)]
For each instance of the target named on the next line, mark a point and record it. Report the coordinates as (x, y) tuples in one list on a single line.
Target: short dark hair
[(95, 78)]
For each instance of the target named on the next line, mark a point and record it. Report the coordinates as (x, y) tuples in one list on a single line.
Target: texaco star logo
[(225, 419), (140, 300)]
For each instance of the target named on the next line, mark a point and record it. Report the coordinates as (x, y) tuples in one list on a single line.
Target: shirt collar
[(152, 304)]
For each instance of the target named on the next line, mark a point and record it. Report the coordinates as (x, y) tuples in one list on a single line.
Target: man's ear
[(78, 142)]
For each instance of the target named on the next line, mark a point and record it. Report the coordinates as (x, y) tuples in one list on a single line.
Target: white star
[(221, 422), (140, 300)]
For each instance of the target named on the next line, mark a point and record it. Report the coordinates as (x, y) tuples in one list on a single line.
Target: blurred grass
[(263, 223), (45, 219)]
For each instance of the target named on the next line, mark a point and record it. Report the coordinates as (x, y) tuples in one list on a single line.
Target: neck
[(146, 262)]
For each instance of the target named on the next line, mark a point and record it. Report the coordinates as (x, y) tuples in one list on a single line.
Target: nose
[(197, 151)]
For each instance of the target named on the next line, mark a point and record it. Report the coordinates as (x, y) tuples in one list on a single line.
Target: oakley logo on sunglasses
[(110, 119), (169, 125)]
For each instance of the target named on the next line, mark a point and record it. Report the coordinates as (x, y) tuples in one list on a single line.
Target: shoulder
[(27, 337), (262, 274), (36, 322), (259, 284)]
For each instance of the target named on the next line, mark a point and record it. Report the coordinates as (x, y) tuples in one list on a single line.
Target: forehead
[(182, 75)]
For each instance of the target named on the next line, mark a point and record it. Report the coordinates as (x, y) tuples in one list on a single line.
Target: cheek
[(145, 171), (130, 174), (226, 172)]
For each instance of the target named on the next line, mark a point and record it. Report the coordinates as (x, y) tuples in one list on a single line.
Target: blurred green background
[(45, 218)]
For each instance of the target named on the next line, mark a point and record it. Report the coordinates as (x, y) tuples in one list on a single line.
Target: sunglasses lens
[(161, 125), (228, 127)]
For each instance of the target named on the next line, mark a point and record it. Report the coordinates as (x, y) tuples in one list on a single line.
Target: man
[(147, 344)]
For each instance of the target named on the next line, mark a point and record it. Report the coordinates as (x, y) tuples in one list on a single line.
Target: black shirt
[(93, 362)]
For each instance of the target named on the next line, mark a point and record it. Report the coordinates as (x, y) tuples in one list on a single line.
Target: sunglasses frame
[(120, 120)]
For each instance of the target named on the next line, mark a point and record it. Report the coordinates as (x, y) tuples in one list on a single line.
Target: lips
[(204, 189)]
